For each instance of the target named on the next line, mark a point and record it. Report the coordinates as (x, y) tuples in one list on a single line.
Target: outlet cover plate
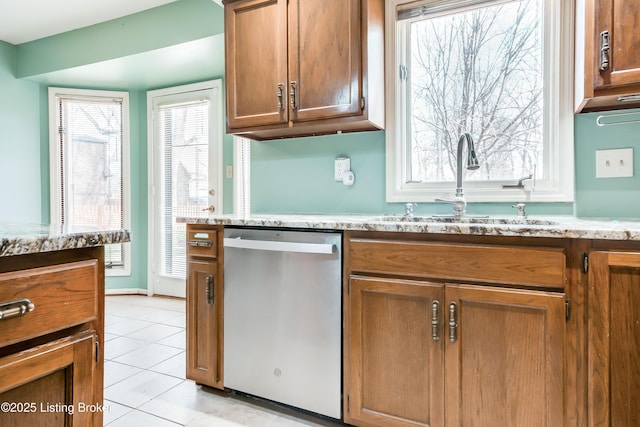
[(616, 163), (342, 165)]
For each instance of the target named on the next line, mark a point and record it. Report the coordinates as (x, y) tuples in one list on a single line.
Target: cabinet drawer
[(202, 242), (62, 295), (543, 267)]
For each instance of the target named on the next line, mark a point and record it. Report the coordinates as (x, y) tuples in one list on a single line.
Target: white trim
[(127, 291), (54, 165), (215, 156), (241, 176), (558, 103)]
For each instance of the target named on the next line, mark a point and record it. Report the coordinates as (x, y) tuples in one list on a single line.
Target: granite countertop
[(20, 239), (535, 226)]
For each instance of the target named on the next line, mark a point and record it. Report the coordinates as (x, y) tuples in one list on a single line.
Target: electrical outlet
[(229, 171), (342, 165), (616, 163)]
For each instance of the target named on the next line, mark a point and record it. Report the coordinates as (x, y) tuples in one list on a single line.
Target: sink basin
[(468, 219)]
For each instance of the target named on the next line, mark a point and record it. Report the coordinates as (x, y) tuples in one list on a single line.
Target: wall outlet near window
[(342, 165), (616, 163)]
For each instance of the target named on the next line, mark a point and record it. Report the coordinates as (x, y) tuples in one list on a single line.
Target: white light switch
[(614, 163)]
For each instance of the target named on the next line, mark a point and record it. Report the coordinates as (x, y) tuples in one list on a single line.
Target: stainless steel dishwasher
[(283, 316)]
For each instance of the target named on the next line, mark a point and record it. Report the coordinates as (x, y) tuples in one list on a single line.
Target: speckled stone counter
[(21, 239), (552, 226)]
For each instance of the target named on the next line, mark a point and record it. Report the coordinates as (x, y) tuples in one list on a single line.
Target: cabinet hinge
[(348, 404), (403, 73), (567, 305), (97, 350), (362, 103), (585, 263)]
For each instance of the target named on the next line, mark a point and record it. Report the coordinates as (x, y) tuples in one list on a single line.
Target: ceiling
[(22, 21)]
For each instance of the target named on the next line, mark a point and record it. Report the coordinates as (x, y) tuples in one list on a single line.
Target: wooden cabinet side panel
[(506, 364), (395, 367)]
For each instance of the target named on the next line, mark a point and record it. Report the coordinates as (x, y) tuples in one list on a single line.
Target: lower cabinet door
[(204, 341), (393, 353), (51, 384), (504, 357), (614, 339)]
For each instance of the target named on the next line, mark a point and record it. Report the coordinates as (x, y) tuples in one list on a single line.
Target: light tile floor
[(144, 377)]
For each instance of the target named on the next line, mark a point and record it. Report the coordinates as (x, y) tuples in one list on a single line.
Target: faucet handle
[(521, 210), (459, 205), (408, 208)]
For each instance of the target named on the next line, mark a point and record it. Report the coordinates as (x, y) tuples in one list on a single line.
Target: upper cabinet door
[(256, 63), (325, 59), (618, 21)]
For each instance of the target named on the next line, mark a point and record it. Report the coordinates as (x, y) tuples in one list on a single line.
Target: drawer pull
[(201, 243), (16, 308)]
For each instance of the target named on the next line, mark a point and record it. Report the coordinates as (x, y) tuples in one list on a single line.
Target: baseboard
[(126, 291)]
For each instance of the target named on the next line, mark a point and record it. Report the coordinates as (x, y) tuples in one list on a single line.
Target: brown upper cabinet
[(607, 55), (304, 67)]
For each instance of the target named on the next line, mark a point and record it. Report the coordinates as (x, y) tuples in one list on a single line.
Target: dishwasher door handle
[(270, 245)]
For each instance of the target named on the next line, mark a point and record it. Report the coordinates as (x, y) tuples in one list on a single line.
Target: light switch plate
[(616, 163)]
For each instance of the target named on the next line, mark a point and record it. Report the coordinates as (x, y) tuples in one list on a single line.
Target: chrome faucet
[(458, 202)]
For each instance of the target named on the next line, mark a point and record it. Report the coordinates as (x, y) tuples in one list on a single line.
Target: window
[(89, 147), (498, 69)]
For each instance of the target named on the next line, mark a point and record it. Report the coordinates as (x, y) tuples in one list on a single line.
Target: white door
[(185, 172)]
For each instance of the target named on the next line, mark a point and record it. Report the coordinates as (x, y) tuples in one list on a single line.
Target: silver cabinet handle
[(294, 95), (17, 308), (435, 320), (604, 50), (453, 322), (280, 96), (209, 289), (201, 243)]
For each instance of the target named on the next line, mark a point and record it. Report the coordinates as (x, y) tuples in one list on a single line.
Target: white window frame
[(558, 114), (54, 162)]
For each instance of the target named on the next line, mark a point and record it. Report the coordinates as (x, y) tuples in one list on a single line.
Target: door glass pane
[(92, 181), (184, 137)]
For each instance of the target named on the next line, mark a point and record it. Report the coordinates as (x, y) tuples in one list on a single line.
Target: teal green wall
[(172, 24), (296, 176), (20, 184)]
